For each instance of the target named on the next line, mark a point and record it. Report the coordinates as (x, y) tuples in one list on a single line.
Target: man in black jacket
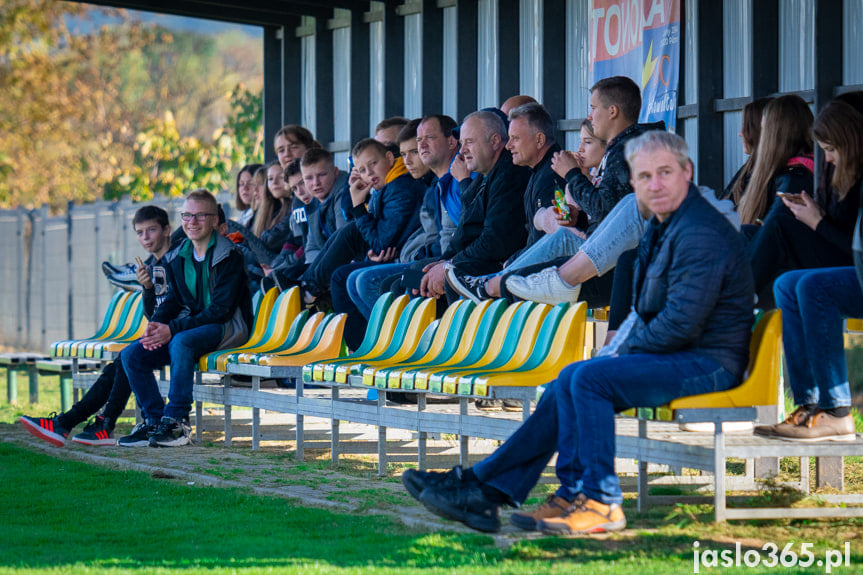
[(207, 308), (688, 334), (491, 226), (531, 143)]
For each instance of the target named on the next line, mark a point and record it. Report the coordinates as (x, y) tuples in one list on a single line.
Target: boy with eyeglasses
[(207, 308)]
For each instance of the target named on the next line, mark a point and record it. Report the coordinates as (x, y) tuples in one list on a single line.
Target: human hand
[(434, 280), (564, 161), (155, 335), (359, 190), (142, 273), (267, 270), (387, 255), (458, 169), (804, 208)]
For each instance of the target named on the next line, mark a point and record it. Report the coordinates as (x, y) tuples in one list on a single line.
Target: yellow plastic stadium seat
[(327, 345), (559, 343), (286, 308), (761, 386), (259, 328), (385, 335), (302, 343)]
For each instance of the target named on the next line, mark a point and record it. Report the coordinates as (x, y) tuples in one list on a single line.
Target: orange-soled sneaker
[(585, 516), (46, 428), (553, 507)]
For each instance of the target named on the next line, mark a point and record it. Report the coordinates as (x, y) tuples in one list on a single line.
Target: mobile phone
[(796, 198)]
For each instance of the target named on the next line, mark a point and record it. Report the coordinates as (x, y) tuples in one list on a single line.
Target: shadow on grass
[(62, 513)]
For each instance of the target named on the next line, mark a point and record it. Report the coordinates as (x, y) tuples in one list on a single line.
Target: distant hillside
[(95, 19)]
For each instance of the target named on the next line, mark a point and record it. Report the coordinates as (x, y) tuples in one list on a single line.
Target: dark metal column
[(710, 160), (292, 74), (467, 63), (508, 56), (272, 94), (765, 48), (359, 77), (323, 82), (394, 62), (553, 62), (432, 57)]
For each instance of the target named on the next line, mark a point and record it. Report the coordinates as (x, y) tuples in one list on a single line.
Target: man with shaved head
[(514, 102)]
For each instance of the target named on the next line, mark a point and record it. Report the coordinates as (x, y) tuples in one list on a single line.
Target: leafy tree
[(83, 111), (166, 163)]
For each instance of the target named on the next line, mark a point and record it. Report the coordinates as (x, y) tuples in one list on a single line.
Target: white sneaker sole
[(845, 438), (455, 284), (110, 442)]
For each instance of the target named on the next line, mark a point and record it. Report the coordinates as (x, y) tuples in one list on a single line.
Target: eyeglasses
[(200, 216)]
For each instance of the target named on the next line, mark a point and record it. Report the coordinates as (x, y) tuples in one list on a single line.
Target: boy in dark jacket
[(111, 388), (207, 308), (385, 201)]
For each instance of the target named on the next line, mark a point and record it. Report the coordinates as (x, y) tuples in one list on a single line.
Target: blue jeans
[(575, 417), (364, 285), (181, 353), (814, 302), (560, 244)]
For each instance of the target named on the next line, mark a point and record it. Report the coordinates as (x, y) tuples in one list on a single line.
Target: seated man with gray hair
[(688, 334)]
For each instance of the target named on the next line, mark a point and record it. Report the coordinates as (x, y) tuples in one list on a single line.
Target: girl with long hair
[(814, 302), (802, 232)]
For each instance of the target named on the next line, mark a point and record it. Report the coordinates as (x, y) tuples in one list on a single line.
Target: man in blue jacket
[(688, 334), (207, 308)]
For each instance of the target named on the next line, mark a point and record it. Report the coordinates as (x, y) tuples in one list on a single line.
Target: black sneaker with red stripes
[(99, 431), (46, 428)]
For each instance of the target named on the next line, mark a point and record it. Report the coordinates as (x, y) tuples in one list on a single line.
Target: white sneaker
[(543, 287)]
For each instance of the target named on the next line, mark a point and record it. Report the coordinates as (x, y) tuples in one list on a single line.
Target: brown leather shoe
[(587, 516), (795, 418), (553, 506), (820, 426)]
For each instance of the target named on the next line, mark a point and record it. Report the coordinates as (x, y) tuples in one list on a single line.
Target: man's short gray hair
[(656, 140), (491, 122), (537, 118)]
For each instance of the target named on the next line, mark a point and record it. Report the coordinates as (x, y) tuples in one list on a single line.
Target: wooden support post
[(830, 472), (422, 439), (300, 420)]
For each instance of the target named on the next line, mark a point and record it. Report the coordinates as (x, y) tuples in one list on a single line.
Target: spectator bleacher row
[(501, 233)]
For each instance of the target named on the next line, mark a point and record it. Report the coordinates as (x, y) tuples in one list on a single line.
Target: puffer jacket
[(491, 225), (229, 305), (392, 214), (693, 287), (611, 183)]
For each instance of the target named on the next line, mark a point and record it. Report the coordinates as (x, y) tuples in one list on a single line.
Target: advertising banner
[(639, 39)]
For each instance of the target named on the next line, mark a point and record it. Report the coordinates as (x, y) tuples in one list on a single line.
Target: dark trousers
[(783, 244), (344, 246), (621, 291), (110, 389), (355, 325)]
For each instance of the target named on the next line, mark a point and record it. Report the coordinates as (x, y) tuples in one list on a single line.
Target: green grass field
[(61, 516)]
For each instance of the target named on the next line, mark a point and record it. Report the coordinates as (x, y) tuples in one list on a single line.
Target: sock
[(468, 476), (811, 407), (494, 494), (842, 411), (565, 283)]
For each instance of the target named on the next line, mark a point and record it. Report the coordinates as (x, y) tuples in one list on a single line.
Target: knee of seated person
[(183, 339)]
